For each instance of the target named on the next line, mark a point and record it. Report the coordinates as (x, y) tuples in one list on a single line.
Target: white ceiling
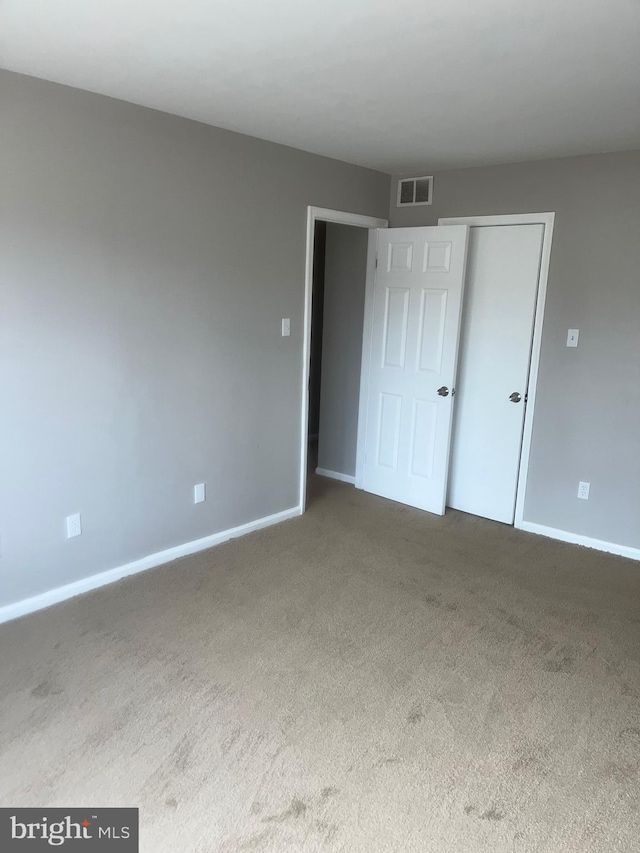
[(397, 86)]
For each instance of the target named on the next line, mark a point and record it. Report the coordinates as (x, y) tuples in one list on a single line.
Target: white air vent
[(415, 191)]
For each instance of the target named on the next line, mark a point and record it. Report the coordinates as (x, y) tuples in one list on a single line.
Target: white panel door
[(495, 350), (415, 325)]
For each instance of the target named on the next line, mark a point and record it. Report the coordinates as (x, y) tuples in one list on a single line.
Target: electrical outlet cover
[(74, 525)]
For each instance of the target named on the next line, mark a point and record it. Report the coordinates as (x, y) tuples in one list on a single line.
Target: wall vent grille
[(415, 191)]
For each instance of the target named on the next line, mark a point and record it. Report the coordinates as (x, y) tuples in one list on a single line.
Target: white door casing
[(413, 347), (495, 348)]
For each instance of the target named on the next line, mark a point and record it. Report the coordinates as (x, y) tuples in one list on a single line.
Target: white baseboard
[(335, 475), (577, 539), (61, 593)]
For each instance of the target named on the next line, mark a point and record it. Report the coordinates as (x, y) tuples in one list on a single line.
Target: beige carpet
[(365, 678)]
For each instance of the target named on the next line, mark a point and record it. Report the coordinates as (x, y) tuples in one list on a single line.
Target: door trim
[(365, 359), (546, 219), (322, 214)]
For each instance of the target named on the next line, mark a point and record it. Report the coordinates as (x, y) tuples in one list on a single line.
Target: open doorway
[(338, 258)]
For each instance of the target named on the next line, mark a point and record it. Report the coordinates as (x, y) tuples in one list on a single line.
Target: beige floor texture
[(364, 678)]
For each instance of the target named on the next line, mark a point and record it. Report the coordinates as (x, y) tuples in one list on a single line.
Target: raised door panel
[(423, 438), (388, 438), (396, 315), (431, 326)]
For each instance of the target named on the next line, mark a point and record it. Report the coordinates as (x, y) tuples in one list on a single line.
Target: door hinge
[(376, 262)]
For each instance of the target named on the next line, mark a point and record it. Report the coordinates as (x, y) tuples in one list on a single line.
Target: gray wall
[(587, 413), (344, 285), (146, 263)]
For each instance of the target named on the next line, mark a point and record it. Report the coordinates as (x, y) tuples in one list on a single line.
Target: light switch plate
[(199, 493), (572, 337), (286, 327)]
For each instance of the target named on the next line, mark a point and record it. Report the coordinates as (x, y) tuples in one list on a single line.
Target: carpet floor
[(364, 678)]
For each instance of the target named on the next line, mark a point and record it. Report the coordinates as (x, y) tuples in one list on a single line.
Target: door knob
[(444, 391), (515, 397)]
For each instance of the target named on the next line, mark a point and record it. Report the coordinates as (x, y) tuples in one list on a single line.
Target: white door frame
[(546, 219), (322, 214), (367, 332)]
